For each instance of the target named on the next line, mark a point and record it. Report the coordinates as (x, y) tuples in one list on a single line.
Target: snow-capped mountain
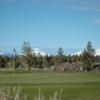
[(1, 53), (38, 51), (43, 52), (6, 54), (97, 52), (77, 53)]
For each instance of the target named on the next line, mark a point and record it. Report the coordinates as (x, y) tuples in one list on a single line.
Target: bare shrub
[(15, 93)]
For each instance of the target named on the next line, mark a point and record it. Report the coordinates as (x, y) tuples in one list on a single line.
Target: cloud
[(96, 21)]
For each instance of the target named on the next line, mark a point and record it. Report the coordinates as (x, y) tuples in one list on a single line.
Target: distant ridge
[(44, 52)]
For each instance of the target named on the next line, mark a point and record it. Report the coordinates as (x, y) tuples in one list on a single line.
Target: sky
[(49, 23)]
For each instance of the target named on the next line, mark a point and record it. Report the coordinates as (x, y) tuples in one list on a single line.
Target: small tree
[(2, 61), (45, 61), (39, 61), (34, 60), (14, 55)]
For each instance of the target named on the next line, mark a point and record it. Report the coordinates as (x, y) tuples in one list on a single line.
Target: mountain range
[(1, 53), (36, 51), (53, 51), (97, 52)]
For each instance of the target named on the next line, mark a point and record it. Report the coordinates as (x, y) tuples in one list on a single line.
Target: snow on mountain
[(5, 54), (1, 53), (97, 52), (77, 53), (38, 51)]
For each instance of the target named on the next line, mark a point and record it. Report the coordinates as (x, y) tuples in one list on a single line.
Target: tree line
[(29, 60)]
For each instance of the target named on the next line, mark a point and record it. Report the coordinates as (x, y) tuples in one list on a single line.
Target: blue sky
[(49, 23)]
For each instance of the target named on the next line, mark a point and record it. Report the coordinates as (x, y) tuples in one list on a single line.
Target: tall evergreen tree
[(89, 48), (59, 58), (60, 51), (27, 53), (88, 60)]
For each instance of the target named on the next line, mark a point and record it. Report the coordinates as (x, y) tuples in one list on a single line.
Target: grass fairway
[(76, 86)]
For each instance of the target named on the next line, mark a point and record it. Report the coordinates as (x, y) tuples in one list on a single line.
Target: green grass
[(76, 86)]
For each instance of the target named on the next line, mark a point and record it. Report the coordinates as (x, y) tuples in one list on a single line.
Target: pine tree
[(60, 51), (27, 53), (89, 48)]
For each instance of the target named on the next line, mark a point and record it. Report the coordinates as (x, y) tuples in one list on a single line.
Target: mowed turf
[(75, 86)]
